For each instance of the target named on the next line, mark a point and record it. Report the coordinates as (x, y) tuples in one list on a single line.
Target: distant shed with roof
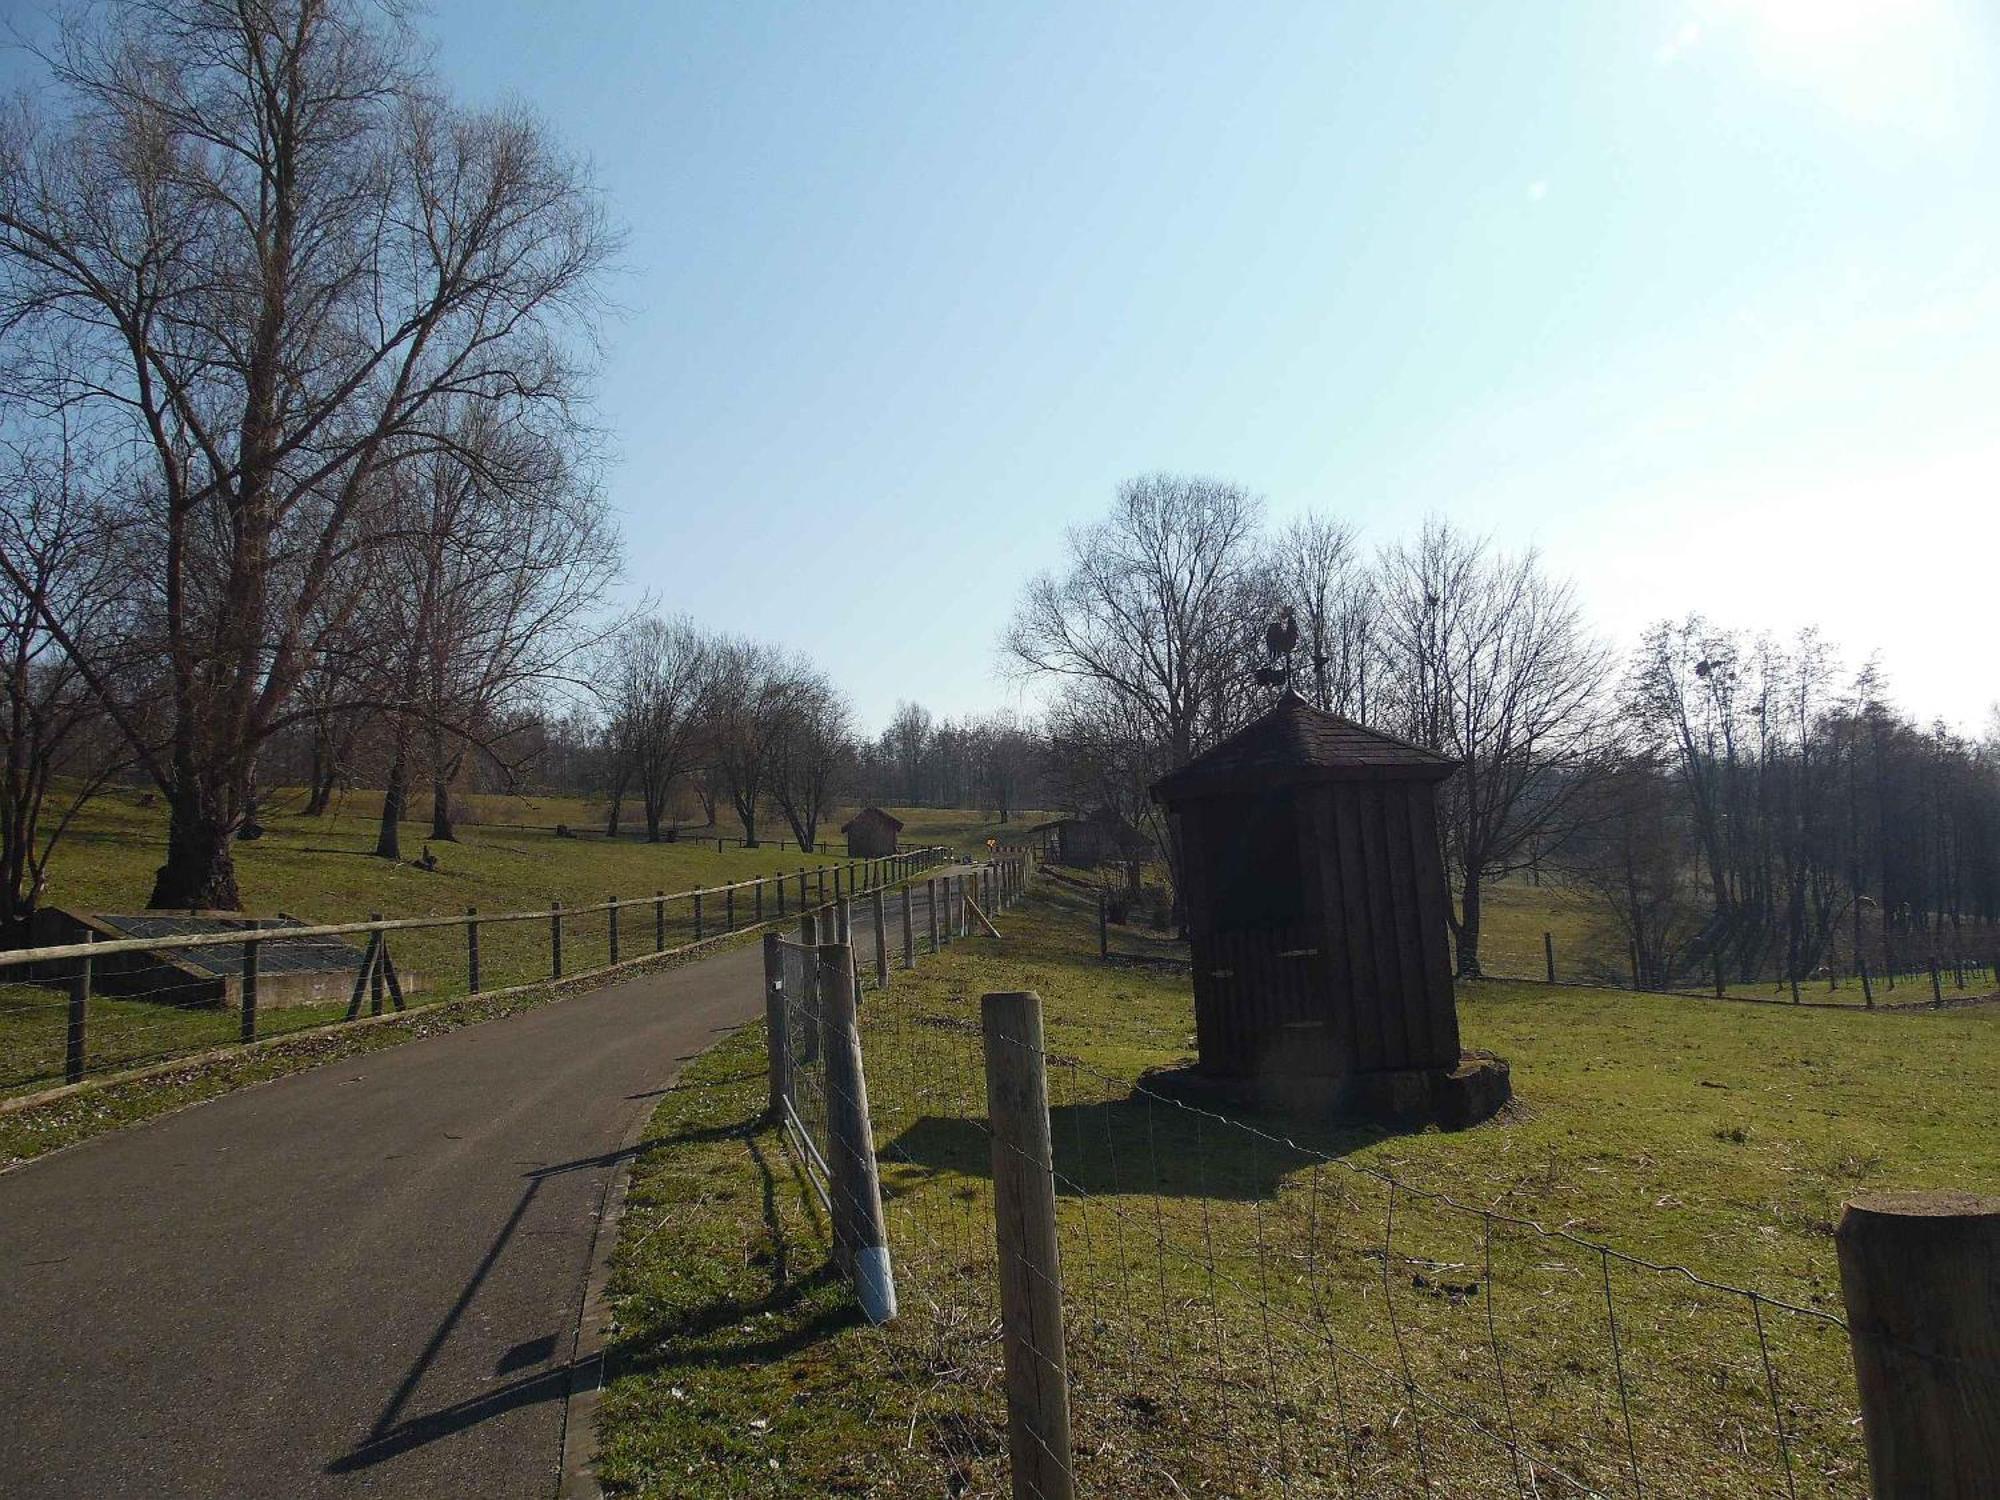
[(1096, 838), (871, 833)]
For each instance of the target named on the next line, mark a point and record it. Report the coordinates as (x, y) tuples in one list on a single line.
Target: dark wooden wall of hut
[(1357, 977)]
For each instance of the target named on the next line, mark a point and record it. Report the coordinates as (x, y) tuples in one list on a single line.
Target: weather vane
[(1280, 636)]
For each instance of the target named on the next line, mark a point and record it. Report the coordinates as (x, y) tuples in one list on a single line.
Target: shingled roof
[(873, 815), (1295, 743)]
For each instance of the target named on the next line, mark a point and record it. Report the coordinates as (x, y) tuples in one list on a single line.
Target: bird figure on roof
[(1280, 636)]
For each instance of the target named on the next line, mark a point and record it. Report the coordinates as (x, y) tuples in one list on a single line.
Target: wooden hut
[(1316, 910), (871, 833), (1096, 838)]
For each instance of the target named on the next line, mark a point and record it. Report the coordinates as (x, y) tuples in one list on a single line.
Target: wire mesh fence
[(137, 989), (1245, 1312), (1546, 935)]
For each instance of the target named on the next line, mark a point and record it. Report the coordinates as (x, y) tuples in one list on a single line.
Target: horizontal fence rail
[(110, 1004)]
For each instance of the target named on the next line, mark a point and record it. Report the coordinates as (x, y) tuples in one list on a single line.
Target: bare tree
[(751, 694), (57, 750), (1158, 605), (1318, 570), (811, 749), (661, 684), (495, 553), (262, 244), (1486, 660)]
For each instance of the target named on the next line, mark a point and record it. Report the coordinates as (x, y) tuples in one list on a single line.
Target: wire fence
[(1888, 969), (1243, 1311), (142, 989)]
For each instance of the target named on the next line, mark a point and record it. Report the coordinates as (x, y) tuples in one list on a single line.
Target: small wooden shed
[(1316, 906), (871, 833), (1096, 838)]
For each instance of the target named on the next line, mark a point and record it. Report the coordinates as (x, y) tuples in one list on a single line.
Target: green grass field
[(1240, 1313), (507, 858)]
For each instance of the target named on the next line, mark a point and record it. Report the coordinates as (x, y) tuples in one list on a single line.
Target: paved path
[(362, 1279)]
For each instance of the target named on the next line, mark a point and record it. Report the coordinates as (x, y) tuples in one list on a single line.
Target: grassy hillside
[(1239, 1311)]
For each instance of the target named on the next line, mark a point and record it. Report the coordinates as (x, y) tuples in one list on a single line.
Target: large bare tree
[(813, 746), (1159, 605), (661, 685), (260, 241), (1486, 660)]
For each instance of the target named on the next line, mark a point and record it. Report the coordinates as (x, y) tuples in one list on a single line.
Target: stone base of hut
[(1397, 1099)]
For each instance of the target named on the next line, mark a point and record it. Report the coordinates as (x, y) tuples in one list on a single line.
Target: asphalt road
[(362, 1279)]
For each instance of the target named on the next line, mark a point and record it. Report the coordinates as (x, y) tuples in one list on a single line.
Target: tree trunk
[(1468, 928), (444, 771), (199, 873), (388, 840), (319, 783), (441, 824)]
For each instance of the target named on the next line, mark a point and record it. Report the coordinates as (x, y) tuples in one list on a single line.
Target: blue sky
[(1703, 299)]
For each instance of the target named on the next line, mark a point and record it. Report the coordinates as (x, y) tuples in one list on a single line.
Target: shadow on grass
[(1140, 1144)]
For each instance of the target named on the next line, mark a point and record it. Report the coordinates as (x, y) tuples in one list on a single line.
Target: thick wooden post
[(79, 1016), (555, 940), (931, 909), (1549, 955), (909, 929), (247, 1032), (729, 910), (1920, 1273), (861, 1239), (472, 950), (612, 925), (776, 1043), (881, 938), (375, 985), (1024, 1223)]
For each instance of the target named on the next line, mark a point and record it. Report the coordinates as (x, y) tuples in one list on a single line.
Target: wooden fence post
[(1024, 1223), (555, 940), (247, 1032), (79, 1016), (472, 950), (375, 974), (777, 1044), (909, 929), (861, 1239), (1549, 955), (779, 881), (612, 924), (697, 916), (659, 921), (757, 901), (931, 909), (729, 909), (1920, 1274), (802, 887), (881, 939)]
